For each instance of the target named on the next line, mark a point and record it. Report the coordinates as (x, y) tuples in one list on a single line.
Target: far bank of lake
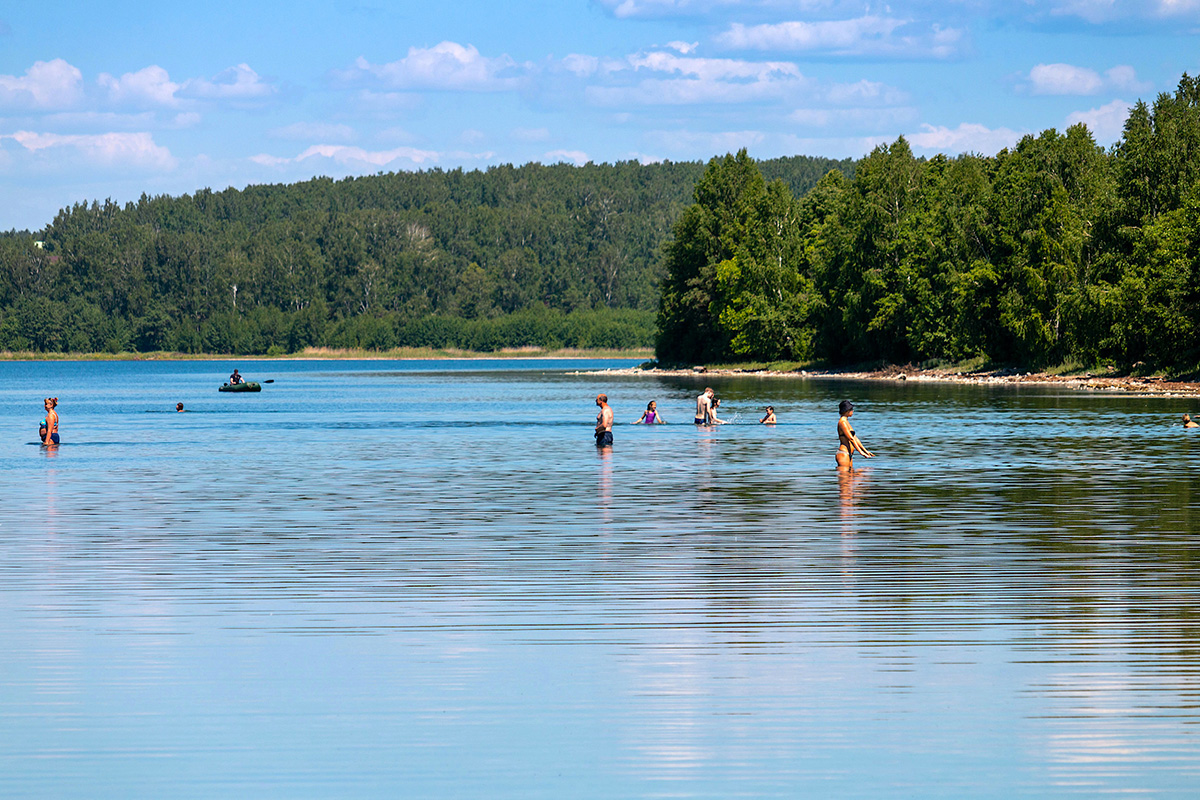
[(340, 354)]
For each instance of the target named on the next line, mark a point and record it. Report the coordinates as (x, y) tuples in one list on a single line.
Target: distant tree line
[(512, 256), (1055, 250)]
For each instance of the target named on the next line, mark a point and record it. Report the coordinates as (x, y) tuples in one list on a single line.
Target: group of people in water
[(706, 414), (48, 427)]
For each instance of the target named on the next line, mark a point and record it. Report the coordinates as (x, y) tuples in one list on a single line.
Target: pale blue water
[(421, 579)]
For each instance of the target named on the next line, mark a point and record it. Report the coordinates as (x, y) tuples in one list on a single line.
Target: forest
[(541, 256), (1056, 251)]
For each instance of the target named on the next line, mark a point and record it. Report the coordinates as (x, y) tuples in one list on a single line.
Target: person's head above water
[(51, 402), (845, 407), (179, 406), (650, 406), (601, 399)]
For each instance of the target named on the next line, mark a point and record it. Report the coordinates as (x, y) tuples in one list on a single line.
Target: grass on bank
[(318, 353)]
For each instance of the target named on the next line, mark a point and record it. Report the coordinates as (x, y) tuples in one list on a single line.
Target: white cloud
[(581, 65), (105, 149), (1106, 123), (185, 119), (46, 85), (624, 9), (236, 83), (1067, 79), (1064, 79), (873, 35), (308, 131), (72, 121), (714, 69), (531, 134), (688, 80), (692, 142), (639, 8), (967, 137), (472, 136), (1106, 11), (151, 86), (871, 118), (355, 157), (577, 157), (448, 66), (1173, 7), (1125, 78), (846, 34), (865, 92), (683, 47), (270, 161)]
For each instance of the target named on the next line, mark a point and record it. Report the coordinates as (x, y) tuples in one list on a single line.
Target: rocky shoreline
[(1130, 385)]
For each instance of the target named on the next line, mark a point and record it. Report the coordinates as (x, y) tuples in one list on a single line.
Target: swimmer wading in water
[(848, 441)]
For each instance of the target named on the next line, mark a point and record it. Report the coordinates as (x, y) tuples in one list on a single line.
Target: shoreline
[(340, 354), (1087, 382)]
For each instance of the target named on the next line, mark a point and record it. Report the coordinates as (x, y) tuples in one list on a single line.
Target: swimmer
[(49, 426), (712, 413), (179, 407), (848, 442), (704, 407), (1187, 422), (769, 419), (651, 416), (604, 422)]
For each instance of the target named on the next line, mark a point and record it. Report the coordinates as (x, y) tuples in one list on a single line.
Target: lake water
[(422, 580)]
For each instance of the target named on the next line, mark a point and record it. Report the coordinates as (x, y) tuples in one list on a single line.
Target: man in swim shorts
[(704, 407), (604, 422)]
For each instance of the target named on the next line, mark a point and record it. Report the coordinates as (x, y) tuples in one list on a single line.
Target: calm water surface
[(420, 579)]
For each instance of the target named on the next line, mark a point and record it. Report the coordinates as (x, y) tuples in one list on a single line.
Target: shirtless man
[(704, 407), (604, 422)]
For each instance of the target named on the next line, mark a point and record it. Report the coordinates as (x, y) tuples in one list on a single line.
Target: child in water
[(651, 416)]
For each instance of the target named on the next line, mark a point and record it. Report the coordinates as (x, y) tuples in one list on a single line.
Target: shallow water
[(421, 579)]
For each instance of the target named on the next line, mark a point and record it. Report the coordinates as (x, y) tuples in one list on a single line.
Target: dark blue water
[(421, 579)]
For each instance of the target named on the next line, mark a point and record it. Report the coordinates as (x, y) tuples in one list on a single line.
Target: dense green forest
[(1057, 250), (512, 256)]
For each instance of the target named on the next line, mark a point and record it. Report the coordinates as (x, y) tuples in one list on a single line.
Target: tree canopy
[(1056, 249), (510, 256)]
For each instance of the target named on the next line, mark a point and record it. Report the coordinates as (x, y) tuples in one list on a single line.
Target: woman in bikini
[(49, 427), (848, 442)]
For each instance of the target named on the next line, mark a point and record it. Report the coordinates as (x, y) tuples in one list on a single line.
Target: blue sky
[(115, 99)]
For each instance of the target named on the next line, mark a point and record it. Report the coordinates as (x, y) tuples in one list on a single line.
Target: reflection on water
[(425, 580)]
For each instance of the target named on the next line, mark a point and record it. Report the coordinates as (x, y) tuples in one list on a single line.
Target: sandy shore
[(1134, 386)]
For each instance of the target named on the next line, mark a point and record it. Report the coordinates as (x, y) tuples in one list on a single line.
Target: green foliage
[(485, 259), (1056, 250)]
